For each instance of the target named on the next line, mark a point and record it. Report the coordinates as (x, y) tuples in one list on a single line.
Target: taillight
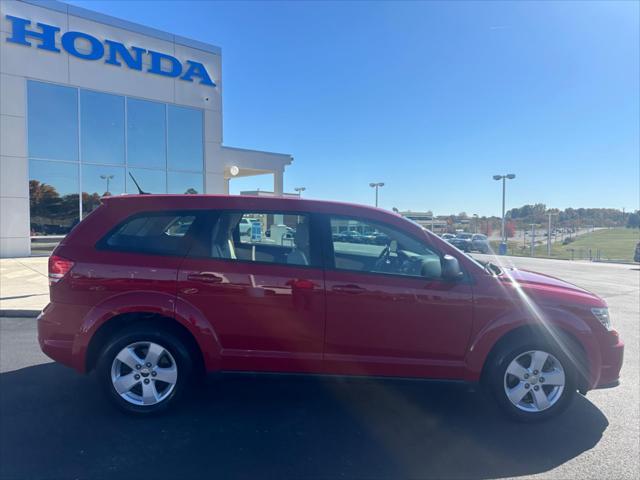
[(58, 268)]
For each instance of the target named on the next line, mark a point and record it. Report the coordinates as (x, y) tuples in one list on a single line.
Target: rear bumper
[(57, 328)]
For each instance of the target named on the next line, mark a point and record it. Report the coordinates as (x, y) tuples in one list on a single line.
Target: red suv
[(151, 290)]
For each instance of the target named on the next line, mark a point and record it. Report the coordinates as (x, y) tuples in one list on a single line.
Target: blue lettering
[(197, 69), (125, 54), (69, 44), (20, 33), (156, 64), (117, 53)]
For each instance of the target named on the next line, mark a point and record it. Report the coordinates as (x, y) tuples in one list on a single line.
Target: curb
[(19, 313)]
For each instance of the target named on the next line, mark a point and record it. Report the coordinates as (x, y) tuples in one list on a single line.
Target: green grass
[(614, 244)]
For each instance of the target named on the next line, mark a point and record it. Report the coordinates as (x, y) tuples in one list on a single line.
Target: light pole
[(376, 186), (300, 190), (549, 234), (533, 238), (504, 178), (107, 178), (475, 222)]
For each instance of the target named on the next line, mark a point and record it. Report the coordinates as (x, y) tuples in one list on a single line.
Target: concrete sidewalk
[(24, 286)]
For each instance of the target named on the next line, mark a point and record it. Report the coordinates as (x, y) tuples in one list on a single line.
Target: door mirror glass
[(451, 268)]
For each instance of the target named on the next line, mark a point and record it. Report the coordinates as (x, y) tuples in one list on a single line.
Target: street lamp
[(376, 186), (475, 222), (300, 190), (549, 234), (107, 178), (504, 178)]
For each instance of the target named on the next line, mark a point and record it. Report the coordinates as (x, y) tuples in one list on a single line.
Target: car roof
[(235, 201)]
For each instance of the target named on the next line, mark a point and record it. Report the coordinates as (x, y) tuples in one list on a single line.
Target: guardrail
[(44, 245)]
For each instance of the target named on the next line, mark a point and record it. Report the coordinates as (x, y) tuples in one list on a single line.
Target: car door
[(264, 296), (389, 311)]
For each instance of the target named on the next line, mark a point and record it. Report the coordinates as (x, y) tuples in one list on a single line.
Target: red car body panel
[(284, 318)]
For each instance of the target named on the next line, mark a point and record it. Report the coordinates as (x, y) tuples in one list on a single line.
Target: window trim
[(315, 247), (329, 253), (101, 244)]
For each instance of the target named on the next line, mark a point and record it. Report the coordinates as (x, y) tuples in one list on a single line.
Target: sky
[(430, 98)]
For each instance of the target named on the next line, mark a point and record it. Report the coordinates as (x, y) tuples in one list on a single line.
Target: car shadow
[(55, 423)]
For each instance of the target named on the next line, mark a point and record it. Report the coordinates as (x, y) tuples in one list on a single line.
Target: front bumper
[(612, 357)]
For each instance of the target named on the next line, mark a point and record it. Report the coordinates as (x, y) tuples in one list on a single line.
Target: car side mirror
[(451, 268)]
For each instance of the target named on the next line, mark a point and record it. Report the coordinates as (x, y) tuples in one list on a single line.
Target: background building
[(87, 101)]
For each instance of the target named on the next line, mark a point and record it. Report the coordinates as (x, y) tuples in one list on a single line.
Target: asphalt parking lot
[(55, 423)]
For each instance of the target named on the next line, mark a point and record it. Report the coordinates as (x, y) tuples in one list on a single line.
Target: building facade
[(90, 105)]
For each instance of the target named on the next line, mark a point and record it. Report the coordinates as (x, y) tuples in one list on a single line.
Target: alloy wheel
[(534, 381), (144, 373)]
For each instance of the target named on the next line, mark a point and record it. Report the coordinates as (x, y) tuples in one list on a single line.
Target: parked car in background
[(350, 236), (447, 236), (150, 290), (462, 241), (480, 243)]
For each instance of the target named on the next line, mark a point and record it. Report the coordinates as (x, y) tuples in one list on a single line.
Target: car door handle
[(351, 289), (207, 277)]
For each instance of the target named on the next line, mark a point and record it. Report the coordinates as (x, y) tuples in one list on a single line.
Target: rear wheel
[(144, 370), (532, 382)]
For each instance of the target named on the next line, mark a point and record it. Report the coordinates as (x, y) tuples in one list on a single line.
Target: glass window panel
[(181, 182), (364, 246), (185, 139), (53, 194), (261, 237), (146, 139), (159, 233), (52, 121), (99, 181), (102, 127), (150, 181)]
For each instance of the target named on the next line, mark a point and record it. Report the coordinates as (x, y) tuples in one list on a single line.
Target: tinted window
[(263, 237), (52, 121), (100, 181), (150, 181), (153, 233), (185, 182), (146, 134), (102, 127), (53, 194), (371, 247), (185, 139)]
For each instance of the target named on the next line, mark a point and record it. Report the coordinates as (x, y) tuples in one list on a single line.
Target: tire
[(144, 370), (556, 381)]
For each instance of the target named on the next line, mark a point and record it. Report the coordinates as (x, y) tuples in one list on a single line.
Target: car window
[(271, 237), (152, 233), (365, 246)]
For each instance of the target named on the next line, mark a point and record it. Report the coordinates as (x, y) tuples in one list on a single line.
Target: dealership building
[(88, 103)]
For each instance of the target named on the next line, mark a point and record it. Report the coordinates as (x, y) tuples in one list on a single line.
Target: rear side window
[(264, 237), (164, 234)]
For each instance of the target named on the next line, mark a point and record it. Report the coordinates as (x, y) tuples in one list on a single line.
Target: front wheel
[(144, 370), (532, 382)]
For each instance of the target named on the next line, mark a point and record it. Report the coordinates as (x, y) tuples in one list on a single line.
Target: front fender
[(555, 322)]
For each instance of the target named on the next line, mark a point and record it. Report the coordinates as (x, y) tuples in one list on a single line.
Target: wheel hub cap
[(534, 381), (144, 373)]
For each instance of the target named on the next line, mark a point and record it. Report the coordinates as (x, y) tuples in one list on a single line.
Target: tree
[(510, 229), (633, 220)]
